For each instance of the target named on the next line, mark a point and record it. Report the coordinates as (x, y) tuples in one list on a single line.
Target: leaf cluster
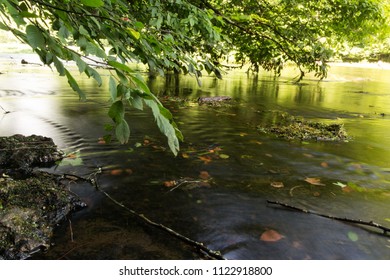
[(271, 33), (112, 33)]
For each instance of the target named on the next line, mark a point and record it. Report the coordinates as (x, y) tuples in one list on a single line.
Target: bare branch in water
[(360, 222)]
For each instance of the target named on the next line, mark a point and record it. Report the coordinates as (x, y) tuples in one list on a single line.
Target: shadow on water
[(237, 166)]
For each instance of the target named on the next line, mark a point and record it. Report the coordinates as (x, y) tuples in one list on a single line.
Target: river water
[(215, 191)]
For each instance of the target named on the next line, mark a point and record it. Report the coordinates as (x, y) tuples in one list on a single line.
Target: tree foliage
[(270, 33), (187, 36), (112, 33)]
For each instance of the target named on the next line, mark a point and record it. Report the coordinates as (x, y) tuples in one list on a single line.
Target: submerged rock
[(33, 202)]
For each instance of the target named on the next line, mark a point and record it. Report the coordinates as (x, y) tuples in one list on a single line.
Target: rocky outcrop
[(32, 202)]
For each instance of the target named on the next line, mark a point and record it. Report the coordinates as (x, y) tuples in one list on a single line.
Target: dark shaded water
[(229, 212)]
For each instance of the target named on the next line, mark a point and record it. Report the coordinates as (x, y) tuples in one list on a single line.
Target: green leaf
[(117, 111), (112, 88), (35, 37), (134, 33), (224, 156), (80, 63), (59, 66), (26, 14), (83, 31), (92, 3), (74, 85), (140, 83), (353, 236), (122, 132), (93, 73), (136, 100), (74, 160), (166, 126), (139, 25), (120, 66)]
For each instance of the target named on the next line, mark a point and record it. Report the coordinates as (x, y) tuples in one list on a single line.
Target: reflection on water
[(230, 212)]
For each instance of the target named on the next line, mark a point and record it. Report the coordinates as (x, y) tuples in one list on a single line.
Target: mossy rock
[(293, 128), (25, 152), (30, 208), (32, 202)]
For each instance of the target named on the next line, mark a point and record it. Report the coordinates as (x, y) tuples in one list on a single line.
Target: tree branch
[(93, 180), (353, 221), (73, 12)]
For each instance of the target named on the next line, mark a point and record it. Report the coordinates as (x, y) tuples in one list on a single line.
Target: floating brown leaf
[(205, 159), (116, 172), (170, 184), (277, 184), (314, 181), (308, 155), (185, 155), (204, 175), (324, 164), (271, 235)]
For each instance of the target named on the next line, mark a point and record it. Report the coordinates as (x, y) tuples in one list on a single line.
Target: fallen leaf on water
[(271, 235), (347, 189), (297, 245), (224, 156), (314, 181), (116, 172), (308, 155), (340, 184), (204, 175), (72, 155), (205, 159), (353, 236), (185, 155), (277, 184), (324, 164), (170, 184), (256, 142), (268, 155), (246, 156)]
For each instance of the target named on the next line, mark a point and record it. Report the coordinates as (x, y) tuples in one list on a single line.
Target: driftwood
[(347, 220), (213, 100), (93, 180)]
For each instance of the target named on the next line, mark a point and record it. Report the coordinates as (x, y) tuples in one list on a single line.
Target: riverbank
[(32, 202)]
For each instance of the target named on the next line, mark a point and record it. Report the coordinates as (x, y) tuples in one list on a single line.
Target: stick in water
[(360, 222)]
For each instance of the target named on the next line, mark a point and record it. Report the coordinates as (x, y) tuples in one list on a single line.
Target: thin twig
[(92, 179), (184, 182), (71, 230), (348, 220), (5, 111)]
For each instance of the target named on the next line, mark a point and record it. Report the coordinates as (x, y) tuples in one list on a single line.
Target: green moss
[(293, 128), (31, 202)]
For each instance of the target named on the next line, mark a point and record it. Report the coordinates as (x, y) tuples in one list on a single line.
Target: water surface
[(228, 169)]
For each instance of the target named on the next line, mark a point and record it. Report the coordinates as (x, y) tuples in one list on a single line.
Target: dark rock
[(30, 205), (26, 152)]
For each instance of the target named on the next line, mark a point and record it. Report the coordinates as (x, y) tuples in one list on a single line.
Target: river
[(216, 190)]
